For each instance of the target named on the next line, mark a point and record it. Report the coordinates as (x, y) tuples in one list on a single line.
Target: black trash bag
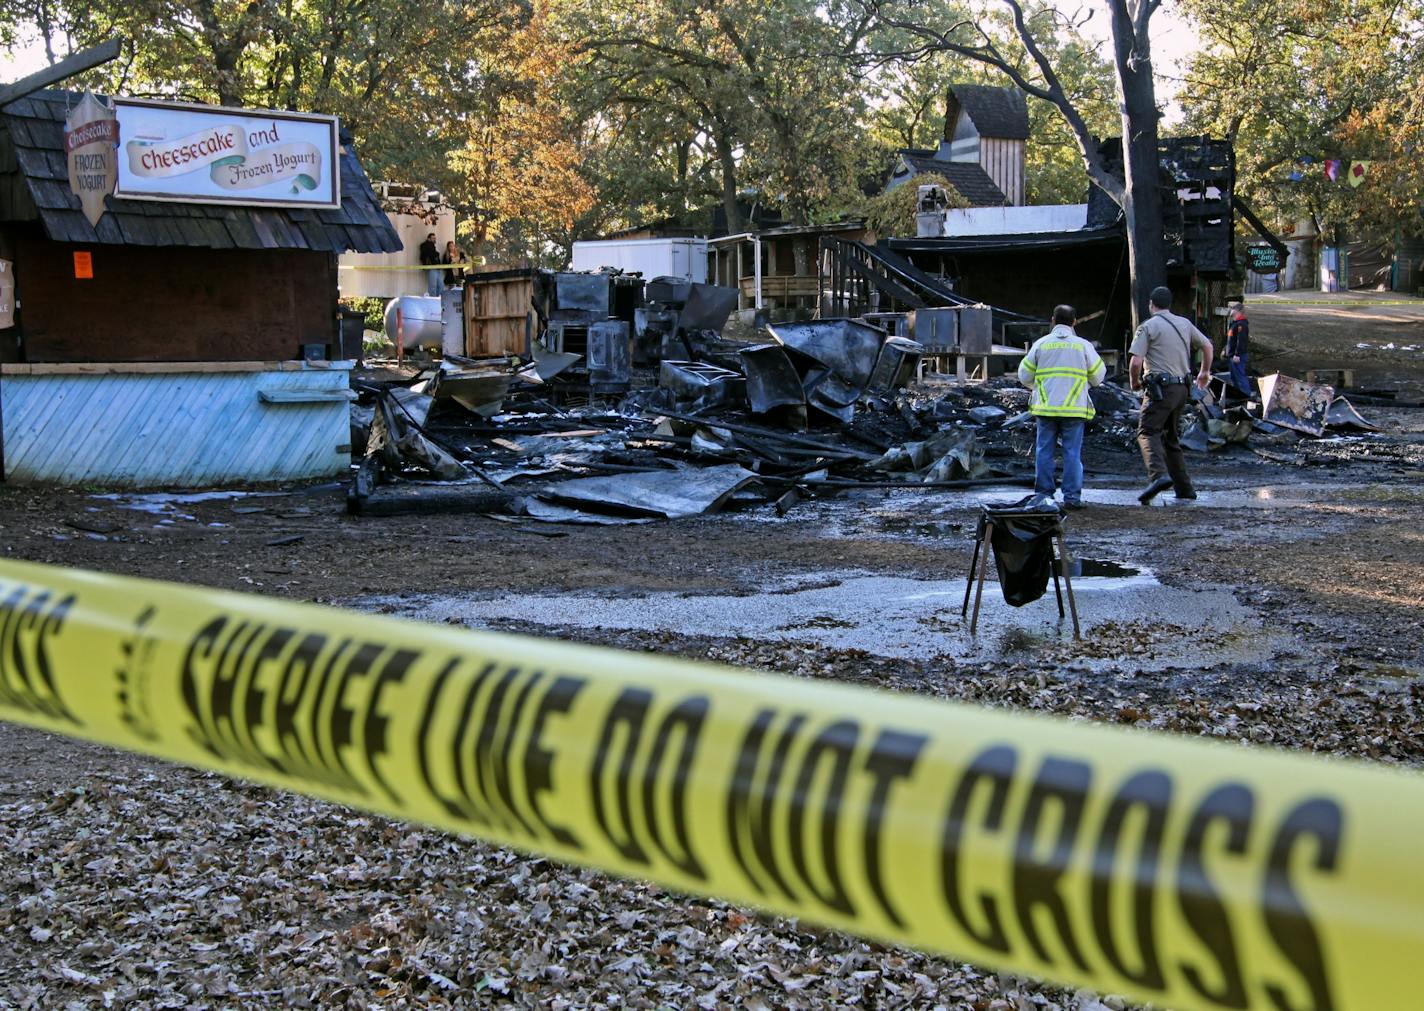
[(1023, 547)]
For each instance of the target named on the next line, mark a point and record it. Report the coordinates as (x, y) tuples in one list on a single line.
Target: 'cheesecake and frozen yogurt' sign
[(206, 154)]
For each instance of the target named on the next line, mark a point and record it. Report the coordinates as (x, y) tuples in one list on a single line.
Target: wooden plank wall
[(1004, 161), (171, 304), (496, 315), (160, 429)]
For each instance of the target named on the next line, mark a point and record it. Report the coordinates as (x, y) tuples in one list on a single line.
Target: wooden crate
[(498, 313)]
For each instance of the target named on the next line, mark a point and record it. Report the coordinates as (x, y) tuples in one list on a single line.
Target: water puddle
[(920, 527), (1098, 568), (1249, 497), (898, 616)]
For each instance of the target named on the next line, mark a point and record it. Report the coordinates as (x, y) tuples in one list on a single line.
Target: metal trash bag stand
[(979, 564)]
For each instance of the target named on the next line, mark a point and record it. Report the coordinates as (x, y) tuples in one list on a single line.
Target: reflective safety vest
[(1059, 368)]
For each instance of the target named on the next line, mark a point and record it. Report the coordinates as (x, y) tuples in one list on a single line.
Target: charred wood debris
[(632, 406)]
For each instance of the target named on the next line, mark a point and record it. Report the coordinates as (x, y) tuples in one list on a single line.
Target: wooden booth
[(175, 294)]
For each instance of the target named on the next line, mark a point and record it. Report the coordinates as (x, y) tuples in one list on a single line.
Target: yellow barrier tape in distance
[(1259, 301), (1171, 870), (443, 266)]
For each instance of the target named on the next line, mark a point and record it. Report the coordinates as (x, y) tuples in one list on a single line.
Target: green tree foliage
[(912, 91), (1288, 80), (893, 213), (723, 98), (451, 94)]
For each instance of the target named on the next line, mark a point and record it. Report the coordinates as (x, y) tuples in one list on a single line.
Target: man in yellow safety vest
[(1059, 368)]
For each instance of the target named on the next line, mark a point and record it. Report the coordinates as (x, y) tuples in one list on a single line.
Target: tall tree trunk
[(1147, 256), (684, 155), (726, 156)]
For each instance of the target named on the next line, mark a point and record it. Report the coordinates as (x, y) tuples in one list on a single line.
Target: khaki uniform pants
[(1157, 429)]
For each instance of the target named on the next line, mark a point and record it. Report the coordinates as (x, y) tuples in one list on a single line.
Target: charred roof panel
[(996, 112)]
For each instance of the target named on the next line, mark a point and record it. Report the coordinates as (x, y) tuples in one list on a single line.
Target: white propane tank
[(416, 319)]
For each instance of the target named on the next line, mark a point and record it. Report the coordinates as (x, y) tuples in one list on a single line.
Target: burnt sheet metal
[(1342, 414), (546, 364), (976, 330), (707, 308), (847, 347), (480, 392), (396, 438), (772, 381), (818, 400), (548, 512), (1198, 439), (668, 290), (698, 385), (653, 328), (898, 362), (1110, 398), (664, 493), (1294, 404), (950, 455), (581, 296)]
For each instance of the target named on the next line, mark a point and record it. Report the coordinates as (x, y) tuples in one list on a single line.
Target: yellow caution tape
[(477, 262), (1359, 304), (1172, 870)]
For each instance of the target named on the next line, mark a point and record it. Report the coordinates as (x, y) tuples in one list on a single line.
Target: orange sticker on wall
[(84, 266)]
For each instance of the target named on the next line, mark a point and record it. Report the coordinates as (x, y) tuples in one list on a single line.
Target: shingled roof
[(34, 185), (996, 112), (968, 177)]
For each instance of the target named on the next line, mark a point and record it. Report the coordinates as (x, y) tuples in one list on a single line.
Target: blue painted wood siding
[(173, 429)]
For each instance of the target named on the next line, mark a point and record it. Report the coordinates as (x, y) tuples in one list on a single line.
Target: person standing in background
[(452, 255), (1238, 343), (1161, 368), (430, 260), (1059, 368)]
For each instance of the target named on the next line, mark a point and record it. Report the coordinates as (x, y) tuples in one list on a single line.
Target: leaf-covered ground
[(157, 887)]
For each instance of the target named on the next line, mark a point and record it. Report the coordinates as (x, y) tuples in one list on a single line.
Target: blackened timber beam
[(894, 289), (1260, 227)]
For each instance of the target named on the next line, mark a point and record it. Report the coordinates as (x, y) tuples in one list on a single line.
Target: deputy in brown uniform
[(1161, 367)]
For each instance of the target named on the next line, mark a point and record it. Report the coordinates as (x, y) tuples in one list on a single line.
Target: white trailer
[(684, 258)]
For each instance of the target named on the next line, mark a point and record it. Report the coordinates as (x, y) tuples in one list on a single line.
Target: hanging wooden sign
[(91, 141), (1263, 259)]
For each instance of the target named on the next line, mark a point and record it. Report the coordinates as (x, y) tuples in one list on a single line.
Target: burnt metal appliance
[(610, 356), (936, 330)]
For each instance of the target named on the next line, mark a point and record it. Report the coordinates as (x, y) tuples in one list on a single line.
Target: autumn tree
[(412, 80), (1294, 84), (517, 170)]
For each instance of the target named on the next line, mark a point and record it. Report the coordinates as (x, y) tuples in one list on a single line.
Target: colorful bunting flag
[(1358, 170), (1332, 169)]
